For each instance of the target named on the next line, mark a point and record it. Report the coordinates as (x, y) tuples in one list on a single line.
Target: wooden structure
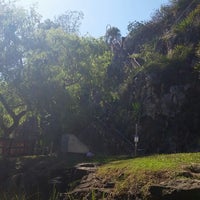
[(16, 147)]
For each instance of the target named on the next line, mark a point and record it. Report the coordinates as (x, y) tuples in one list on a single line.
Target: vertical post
[(135, 148), (136, 138)]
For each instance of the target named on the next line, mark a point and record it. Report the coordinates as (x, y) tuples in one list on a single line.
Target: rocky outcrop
[(169, 100), (157, 96), (185, 186), (182, 189), (90, 184)]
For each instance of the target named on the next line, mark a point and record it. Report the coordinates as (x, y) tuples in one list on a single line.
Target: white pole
[(136, 138)]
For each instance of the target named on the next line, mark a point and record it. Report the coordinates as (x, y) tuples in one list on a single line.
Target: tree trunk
[(16, 118)]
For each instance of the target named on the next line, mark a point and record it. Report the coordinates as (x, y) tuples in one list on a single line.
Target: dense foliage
[(53, 81)]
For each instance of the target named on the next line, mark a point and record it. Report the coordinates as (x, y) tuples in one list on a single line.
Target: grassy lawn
[(137, 174), (155, 162)]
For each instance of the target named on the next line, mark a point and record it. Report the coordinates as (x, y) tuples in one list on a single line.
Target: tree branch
[(16, 118), (6, 106)]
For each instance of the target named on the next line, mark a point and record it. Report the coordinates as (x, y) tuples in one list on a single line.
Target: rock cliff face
[(170, 107)]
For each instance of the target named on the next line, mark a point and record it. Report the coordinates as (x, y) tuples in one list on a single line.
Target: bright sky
[(99, 13)]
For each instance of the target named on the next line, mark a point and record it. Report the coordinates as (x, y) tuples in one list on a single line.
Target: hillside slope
[(157, 85)]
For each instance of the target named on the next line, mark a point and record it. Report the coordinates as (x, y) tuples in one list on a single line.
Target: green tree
[(15, 40), (112, 36), (64, 77), (70, 21)]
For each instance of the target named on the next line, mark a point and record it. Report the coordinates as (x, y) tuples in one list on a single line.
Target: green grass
[(154, 163), (137, 174)]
